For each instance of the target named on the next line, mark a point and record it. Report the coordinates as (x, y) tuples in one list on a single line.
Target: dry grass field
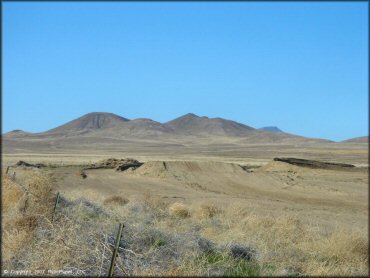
[(187, 215)]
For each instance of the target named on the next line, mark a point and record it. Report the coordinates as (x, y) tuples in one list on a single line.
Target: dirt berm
[(113, 163), (22, 163), (313, 163), (180, 168)]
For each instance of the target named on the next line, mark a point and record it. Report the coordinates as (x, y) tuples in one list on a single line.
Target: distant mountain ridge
[(102, 127)]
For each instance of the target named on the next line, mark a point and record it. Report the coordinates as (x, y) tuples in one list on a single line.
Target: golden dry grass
[(205, 211), (23, 207), (179, 209), (116, 200), (12, 194), (292, 246), (161, 236)]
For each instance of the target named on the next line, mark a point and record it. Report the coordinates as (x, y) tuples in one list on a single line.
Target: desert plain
[(207, 199)]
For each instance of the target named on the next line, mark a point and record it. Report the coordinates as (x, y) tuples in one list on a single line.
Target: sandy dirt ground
[(327, 198), (211, 173), (354, 153), (302, 221)]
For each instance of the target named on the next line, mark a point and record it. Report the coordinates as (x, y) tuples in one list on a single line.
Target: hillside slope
[(191, 124), (363, 139), (89, 122)]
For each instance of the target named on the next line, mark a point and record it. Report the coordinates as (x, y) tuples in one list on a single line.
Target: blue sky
[(300, 66)]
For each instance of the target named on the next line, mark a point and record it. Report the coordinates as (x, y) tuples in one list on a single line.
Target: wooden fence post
[(7, 169), (55, 206), (114, 256), (14, 176)]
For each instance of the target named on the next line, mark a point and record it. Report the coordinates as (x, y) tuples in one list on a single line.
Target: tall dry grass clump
[(115, 200), (154, 203), (179, 210), (24, 207), (206, 211), (291, 246), (11, 194), (341, 251)]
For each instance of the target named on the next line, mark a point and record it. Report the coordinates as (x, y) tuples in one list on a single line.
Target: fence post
[(7, 169), (114, 256), (55, 206), (14, 176)]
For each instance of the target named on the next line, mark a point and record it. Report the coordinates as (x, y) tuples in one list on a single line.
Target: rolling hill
[(90, 122), (137, 128), (362, 139), (107, 131), (191, 124)]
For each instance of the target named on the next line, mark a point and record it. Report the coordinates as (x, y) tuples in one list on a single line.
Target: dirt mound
[(313, 163), (129, 164), (114, 163), (277, 166), (184, 169), (22, 163)]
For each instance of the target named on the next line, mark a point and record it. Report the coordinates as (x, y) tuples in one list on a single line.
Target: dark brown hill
[(191, 124), (89, 122), (147, 126), (137, 128), (16, 133)]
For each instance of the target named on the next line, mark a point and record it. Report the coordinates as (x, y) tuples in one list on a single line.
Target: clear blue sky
[(300, 66)]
